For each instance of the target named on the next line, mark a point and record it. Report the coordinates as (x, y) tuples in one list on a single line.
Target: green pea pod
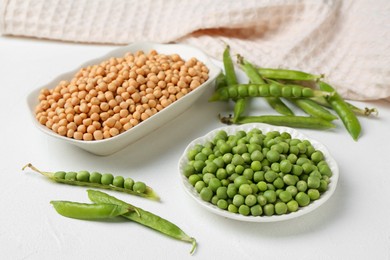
[(313, 109), (347, 116), (276, 103), (89, 211), (367, 111), (290, 121), (288, 74), (266, 90), (230, 74), (148, 192), (144, 218)]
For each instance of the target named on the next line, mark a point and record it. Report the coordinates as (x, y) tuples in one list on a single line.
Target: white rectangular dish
[(114, 144)]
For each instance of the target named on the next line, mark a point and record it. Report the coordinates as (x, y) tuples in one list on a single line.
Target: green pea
[(60, 175), (199, 165), (139, 187), (294, 150), (256, 166), (245, 190), (214, 184), (225, 182), (214, 200), (239, 169), (238, 200), (231, 190), (221, 174), (310, 150), (230, 169), (313, 182), (292, 190), (227, 158), (262, 186), (240, 148), (270, 176), (118, 181), (302, 198), (273, 156), (323, 186), (82, 176), (292, 158), (206, 194), (222, 204), (253, 147), (270, 195), (232, 208), (275, 167), (261, 200), (189, 170), (128, 183), (238, 160), (325, 170), (107, 179), (95, 177), (278, 183), (307, 92), (307, 168), (292, 206), (225, 148), (191, 154), (221, 192), (250, 200), (264, 90), (244, 210), (192, 179), (257, 156), (207, 177), (301, 186), (269, 209), (240, 180), (286, 166), (256, 210), (314, 194), (285, 196), (219, 162), (316, 173), (247, 158), (253, 90), (248, 173), (280, 208), (270, 186), (258, 176), (289, 179), (296, 91), (70, 176), (297, 170), (201, 157), (210, 167), (199, 185)]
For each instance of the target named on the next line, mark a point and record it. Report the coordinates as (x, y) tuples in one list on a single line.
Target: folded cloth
[(348, 41)]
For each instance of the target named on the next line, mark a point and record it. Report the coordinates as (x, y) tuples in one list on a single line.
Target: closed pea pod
[(89, 211), (287, 74), (144, 218), (313, 109), (349, 119), (97, 180)]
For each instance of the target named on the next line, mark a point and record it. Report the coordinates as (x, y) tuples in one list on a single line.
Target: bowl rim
[(190, 190), (214, 71)]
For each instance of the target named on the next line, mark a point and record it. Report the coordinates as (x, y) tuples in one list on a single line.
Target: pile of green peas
[(257, 174)]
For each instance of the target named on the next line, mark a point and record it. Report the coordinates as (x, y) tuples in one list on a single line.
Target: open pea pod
[(99, 181)]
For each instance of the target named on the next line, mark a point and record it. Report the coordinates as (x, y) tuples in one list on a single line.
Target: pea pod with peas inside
[(100, 181), (265, 90), (275, 102)]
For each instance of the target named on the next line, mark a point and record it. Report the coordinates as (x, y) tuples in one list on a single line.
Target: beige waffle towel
[(349, 40)]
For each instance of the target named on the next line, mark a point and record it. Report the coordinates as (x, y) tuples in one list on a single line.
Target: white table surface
[(353, 224)]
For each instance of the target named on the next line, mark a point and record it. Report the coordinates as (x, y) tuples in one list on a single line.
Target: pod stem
[(32, 167), (194, 245)]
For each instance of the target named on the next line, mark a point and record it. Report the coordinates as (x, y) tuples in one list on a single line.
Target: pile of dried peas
[(106, 99)]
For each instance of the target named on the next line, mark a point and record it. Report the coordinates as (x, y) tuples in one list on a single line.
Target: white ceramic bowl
[(114, 144), (265, 128)]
